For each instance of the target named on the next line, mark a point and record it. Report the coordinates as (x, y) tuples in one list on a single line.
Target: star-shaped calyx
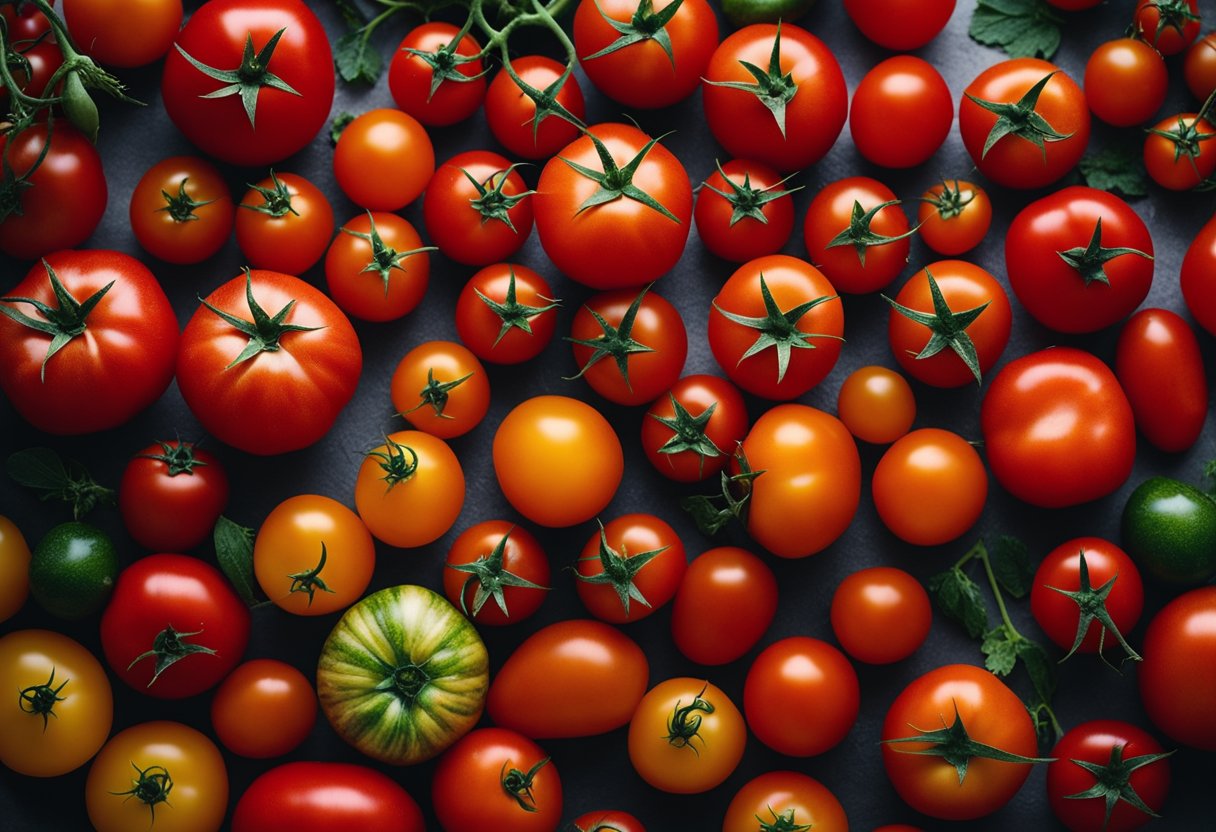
[(688, 431), (436, 393), (774, 88), (1020, 119), (276, 200), (264, 332), (181, 206), (1114, 781), (491, 203), (948, 328), (645, 24), (512, 313), (859, 233), (1172, 14), (385, 258), (1090, 261), (619, 570), (616, 182), (445, 62), (490, 577), (748, 202), (248, 79), (616, 341), (546, 100), (1091, 605)]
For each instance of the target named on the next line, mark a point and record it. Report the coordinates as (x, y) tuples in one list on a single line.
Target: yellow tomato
[(410, 489), (14, 569)]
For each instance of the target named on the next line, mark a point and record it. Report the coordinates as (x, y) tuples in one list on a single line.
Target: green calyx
[(1020, 119), (646, 24), (436, 393), (310, 580), (1091, 603), (248, 79), (385, 258), (950, 202), (491, 578), (617, 342), (774, 88), (181, 206), (712, 513), (860, 235), (1172, 14), (168, 648), (151, 786), (397, 469), (684, 723), (1090, 261), (688, 431), (491, 202), (264, 332), (546, 100), (407, 682), (39, 700), (783, 822), (276, 200), (512, 313), (518, 784), (619, 570), (1113, 781), (617, 182), (178, 457), (948, 328), (747, 202), (1187, 138), (445, 63)]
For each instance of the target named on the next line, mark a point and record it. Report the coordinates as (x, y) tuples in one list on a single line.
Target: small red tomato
[(496, 779), (1200, 67), (902, 112), (876, 405), (505, 314), (1198, 278), (377, 268), (496, 561), (881, 615), (630, 568), (171, 494), (1168, 25), (181, 211), (1178, 675), (284, 223), (321, 797), (477, 208), (265, 708), (742, 211), (857, 234), (511, 114), (954, 216), (435, 80), (724, 605), (930, 487), (1125, 82), (383, 160), (1160, 367), (1179, 153), (690, 433)]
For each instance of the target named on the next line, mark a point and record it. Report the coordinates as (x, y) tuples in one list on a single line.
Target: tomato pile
[(471, 473)]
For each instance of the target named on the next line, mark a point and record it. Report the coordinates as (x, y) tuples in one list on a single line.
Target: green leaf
[(1011, 566), (1000, 651), (356, 59), (1116, 169), (1039, 667), (234, 551), (42, 470), (1022, 28), (959, 598), (341, 122)]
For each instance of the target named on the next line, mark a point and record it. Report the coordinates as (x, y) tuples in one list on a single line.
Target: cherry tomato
[(689, 434), (441, 388), (265, 708), (515, 784), (14, 569), (1168, 25), (901, 113), (43, 56), (477, 208), (433, 80), (377, 268), (784, 799), (323, 797), (930, 487), (607, 821), (743, 212), (630, 568), (954, 216), (1125, 82), (171, 494), (505, 314), (901, 25), (1198, 278), (1178, 675), (383, 160), (511, 114), (876, 405), (840, 226), (880, 615), (1200, 67), (1159, 365), (410, 489), (724, 605), (123, 33), (286, 224), (500, 562), (181, 211), (1179, 153)]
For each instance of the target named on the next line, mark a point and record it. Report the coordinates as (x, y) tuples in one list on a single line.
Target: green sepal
[(773, 88), (1113, 781), (436, 393), (948, 328), (688, 431), (179, 458), (616, 182), (746, 201), (248, 79), (168, 648), (445, 63), (949, 203), (646, 24), (491, 202), (620, 568), (181, 206), (39, 700), (1091, 605), (310, 580), (709, 516), (385, 258), (512, 313), (545, 100), (397, 469), (1020, 119), (1090, 261), (276, 200), (860, 236), (492, 578), (684, 723), (518, 784), (616, 341), (263, 331)]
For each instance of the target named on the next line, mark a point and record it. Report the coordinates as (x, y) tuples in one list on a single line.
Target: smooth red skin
[(641, 74), (1199, 68), (801, 696), (215, 35), (630, 535), (1178, 675), (66, 197), (24, 22), (405, 288), (1013, 161), (1125, 82), (467, 793), (621, 243), (171, 513), (276, 401), (383, 160), (1171, 41), (748, 238), (186, 593), (326, 797), (1179, 174), (724, 605), (1198, 277), (814, 116), (522, 556), (101, 29), (1093, 742), (294, 242), (902, 112), (893, 618), (478, 326), (1058, 430), (958, 234), (1160, 367), (604, 658), (1058, 616), (264, 708), (457, 227), (44, 57), (509, 111), (901, 25), (964, 286), (410, 77), (607, 821), (1052, 291), (829, 214), (726, 427), (119, 365), (192, 241), (776, 792)]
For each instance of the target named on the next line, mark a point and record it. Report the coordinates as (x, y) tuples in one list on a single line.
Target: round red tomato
[(515, 784), (630, 568), (1169, 25), (440, 387), (881, 615), (1178, 675), (264, 708), (1179, 153), (930, 487), (1160, 366), (377, 268), (607, 821), (1198, 277), (743, 212), (876, 405), (123, 33), (108, 353), (857, 234), (724, 605), (511, 114), (273, 64), (435, 81), (171, 494), (1200, 67), (1125, 82), (954, 216), (325, 797), (181, 210), (690, 434), (505, 314), (285, 225), (902, 112), (500, 562), (784, 800), (477, 208), (44, 57), (901, 25), (383, 160)]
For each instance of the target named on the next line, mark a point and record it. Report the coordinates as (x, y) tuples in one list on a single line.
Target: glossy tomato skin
[(352, 270), (607, 821), (284, 123), (1178, 675), (410, 77), (118, 365), (901, 25), (44, 57), (746, 128), (419, 507), (830, 213), (956, 230), (1058, 615), (445, 414), (725, 603), (510, 112), (628, 536), (1200, 67), (181, 236), (168, 507), (803, 800), (522, 556), (748, 237), (383, 160), (1173, 170), (1159, 365), (1198, 277), (14, 569), (1055, 293), (1168, 39), (930, 487), (458, 227), (122, 33), (264, 708), (902, 112), (725, 428), (469, 789), (1058, 430), (289, 239), (325, 797), (1125, 82), (500, 340), (876, 404), (881, 615)]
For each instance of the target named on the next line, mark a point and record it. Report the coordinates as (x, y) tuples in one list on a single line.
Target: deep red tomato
[(383, 160), (1198, 277), (1125, 82), (511, 114), (25, 22), (290, 49), (440, 387), (840, 228), (171, 494), (181, 210), (607, 821), (1159, 365), (477, 208), (815, 96), (901, 25), (880, 615), (954, 216), (1028, 153), (43, 57), (876, 404), (325, 797), (1200, 67), (123, 33), (505, 314), (1058, 430), (930, 487), (630, 568), (515, 783), (377, 268), (1178, 675), (1069, 261), (724, 605), (261, 386), (121, 341), (264, 708), (173, 627), (500, 562), (902, 112), (690, 433), (743, 212), (1179, 153), (784, 800), (1169, 25), (626, 241), (433, 80), (285, 224)]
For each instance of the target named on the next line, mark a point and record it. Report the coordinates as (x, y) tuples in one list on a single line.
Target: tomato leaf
[(42, 470), (356, 59), (234, 552), (1000, 651), (1011, 566), (341, 122), (1022, 28), (959, 598), (1116, 169)]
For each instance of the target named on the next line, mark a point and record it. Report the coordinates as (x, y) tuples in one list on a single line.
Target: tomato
[(181, 211), (286, 225), (806, 78), (410, 489), (516, 785), (1200, 67), (629, 346), (901, 25), (724, 605), (511, 114), (1178, 675), (265, 708), (477, 208), (1169, 25), (625, 241), (60, 203), (784, 800), (383, 160), (268, 386), (377, 268), (313, 555), (686, 736), (1125, 82), (1160, 367), (991, 714), (954, 220), (876, 404), (801, 696), (812, 482), (1198, 277), (630, 568), (435, 81), (72, 570), (880, 615), (1169, 528), (160, 774), (1179, 153), (857, 234), (743, 212), (496, 560), (637, 55), (174, 627), (440, 387), (1058, 430), (902, 112), (1135, 769), (93, 357), (1028, 152), (171, 494), (689, 435), (229, 47), (542, 689), (14, 569), (63, 709), (42, 59), (776, 326), (121, 33), (558, 461), (325, 797), (1079, 260), (607, 821), (505, 314)]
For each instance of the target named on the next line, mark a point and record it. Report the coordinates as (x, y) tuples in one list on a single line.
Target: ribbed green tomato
[(403, 675)]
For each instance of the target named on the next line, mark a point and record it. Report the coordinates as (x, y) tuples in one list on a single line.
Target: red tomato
[(1125, 82), (1198, 278), (181, 210), (784, 800), (500, 562), (743, 212), (377, 268), (121, 341), (902, 112), (609, 821), (477, 208), (1160, 367), (1200, 67), (441, 388), (954, 220), (1058, 430), (171, 494), (434, 81), (1169, 25), (265, 708), (44, 58), (841, 222), (724, 605), (505, 314), (383, 160), (901, 25), (325, 797), (689, 434), (289, 49), (1178, 675), (497, 779), (876, 405), (930, 487), (630, 568), (286, 225), (881, 615), (511, 114), (1179, 153), (123, 33)]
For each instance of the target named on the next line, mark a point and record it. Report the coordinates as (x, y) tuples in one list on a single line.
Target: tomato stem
[(150, 786), (41, 699), (684, 724)]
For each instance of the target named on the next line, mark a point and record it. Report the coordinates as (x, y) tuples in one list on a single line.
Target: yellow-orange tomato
[(410, 489), (264, 708), (784, 800), (876, 405), (930, 487), (14, 569), (441, 388)]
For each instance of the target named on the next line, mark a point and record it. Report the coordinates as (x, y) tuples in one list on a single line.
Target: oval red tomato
[(880, 615), (902, 112), (325, 797), (724, 605), (1178, 675), (1159, 365), (1198, 277)]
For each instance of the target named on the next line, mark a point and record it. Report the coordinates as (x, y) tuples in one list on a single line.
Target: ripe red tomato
[(377, 268), (119, 342), (954, 216), (432, 80), (496, 561), (1168, 25), (171, 494), (440, 387), (609, 821), (743, 212), (123, 33), (44, 57), (690, 434), (322, 797), (1179, 153), (511, 114), (477, 208), (901, 25), (1125, 82), (841, 223), (290, 49), (724, 605), (630, 568), (497, 779), (286, 224), (881, 615), (264, 708), (1058, 430), (902, 112), (1198, 277), (505, 314), (784, 800), (383, 160), (1178, 675), (1159, 365), (181, 210), (876, 405), (1200, 67)]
